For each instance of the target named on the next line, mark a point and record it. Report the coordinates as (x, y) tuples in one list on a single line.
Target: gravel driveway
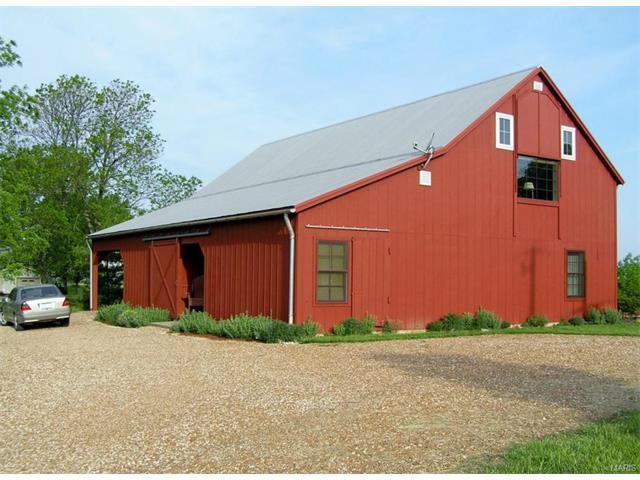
[(96, 398)]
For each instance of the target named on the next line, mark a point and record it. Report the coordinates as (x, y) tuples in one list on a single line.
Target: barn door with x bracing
[(163, 275)]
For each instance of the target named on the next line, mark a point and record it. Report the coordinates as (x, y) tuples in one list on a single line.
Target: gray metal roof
[(293, 170)]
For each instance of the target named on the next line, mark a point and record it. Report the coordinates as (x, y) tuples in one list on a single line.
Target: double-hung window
[(331, 272), (575, 274), (567, 143), (504, 131)]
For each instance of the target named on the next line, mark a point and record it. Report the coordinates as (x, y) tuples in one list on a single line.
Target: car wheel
[(3, 322), (64, 323), (16, 325)]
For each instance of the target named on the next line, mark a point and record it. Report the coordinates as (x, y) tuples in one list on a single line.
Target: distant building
[(24, 279)]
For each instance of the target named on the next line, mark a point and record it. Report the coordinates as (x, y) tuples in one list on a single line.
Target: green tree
[(81, 158), (16, 106), (170, 188), (629, 284), (112, 126)]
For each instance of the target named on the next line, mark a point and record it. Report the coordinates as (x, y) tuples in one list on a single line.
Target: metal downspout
[(292, 257), (90, 274)]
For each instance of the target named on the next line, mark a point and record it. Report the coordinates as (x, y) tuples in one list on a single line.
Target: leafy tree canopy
[(75, 158)]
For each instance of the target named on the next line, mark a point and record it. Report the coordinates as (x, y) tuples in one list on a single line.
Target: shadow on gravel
[(36, 326), (551, 384)]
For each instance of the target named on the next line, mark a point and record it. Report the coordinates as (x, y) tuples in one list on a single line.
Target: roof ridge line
[(398, 106)]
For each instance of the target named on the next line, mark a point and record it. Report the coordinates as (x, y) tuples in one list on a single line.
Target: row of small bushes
[(353, 326), (366, 326), (482, 320), (593, 317), (261, 328), (124, 315)]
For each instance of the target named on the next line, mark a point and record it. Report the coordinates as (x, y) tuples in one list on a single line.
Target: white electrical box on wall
[(425, 178)]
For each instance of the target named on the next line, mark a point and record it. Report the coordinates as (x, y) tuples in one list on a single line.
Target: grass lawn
[(624, 328), (606, 446)]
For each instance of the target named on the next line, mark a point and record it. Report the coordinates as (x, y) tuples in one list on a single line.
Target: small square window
[(504, 131), (567, 143)]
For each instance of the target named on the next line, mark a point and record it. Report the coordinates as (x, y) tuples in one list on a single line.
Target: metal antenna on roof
[(427, 151)]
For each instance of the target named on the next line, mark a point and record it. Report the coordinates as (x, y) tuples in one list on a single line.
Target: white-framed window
[(504, 131), (567, 143)]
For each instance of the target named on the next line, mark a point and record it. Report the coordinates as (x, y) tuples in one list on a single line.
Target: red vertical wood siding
[(136, 266), (468, 241), (245, 264), (465, 242), (246, 268)]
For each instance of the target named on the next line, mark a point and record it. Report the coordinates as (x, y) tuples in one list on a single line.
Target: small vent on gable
[(537, 86)]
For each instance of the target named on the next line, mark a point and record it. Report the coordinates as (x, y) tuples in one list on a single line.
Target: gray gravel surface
[(96, 398)]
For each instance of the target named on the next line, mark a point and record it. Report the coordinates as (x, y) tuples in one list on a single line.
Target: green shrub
[(195, 322), (577, 320), (340, 330), (244, 326), (368, 324), (629, 284), (110, 313), (469, 320), (537, 321), (276, 331), (308, 329), (436, 326), (247, 327), (139, 317), (453, 321), (563, 322), (486, 320), (353, 326), (611, 315), (594, 317), (505, 324), (389, 327)]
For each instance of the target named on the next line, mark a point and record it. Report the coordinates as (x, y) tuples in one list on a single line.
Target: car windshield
[(40, 292)]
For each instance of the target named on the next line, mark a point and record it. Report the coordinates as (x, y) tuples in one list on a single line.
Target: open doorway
[(110, 278), (193, 262)]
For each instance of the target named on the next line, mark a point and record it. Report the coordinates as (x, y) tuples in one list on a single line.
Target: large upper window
[(537, 179), (331, 276), (575, 274), (504, 131), (568, 142)]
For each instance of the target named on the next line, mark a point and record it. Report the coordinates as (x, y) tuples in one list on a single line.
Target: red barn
[(513, 210)]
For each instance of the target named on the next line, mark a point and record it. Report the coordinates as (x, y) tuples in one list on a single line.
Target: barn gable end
[(468, 240)]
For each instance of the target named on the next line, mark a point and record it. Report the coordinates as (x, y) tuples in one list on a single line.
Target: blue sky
[(228, 80)]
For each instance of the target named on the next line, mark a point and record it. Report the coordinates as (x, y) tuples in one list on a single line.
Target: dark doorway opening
[(193, 262), (110, 278)]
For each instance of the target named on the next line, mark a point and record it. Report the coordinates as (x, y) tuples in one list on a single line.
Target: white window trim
[(506, 116), (572, 130)]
